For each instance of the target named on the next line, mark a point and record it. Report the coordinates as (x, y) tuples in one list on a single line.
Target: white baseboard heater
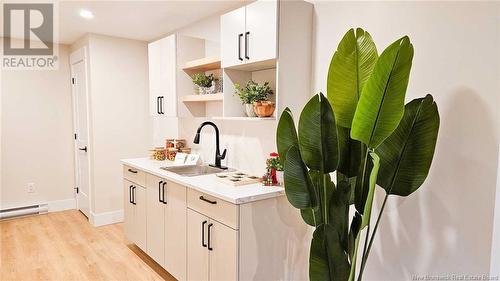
[(24, 211)]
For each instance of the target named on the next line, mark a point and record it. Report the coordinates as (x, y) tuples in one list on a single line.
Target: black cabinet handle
[(130, 194), (209, 240), (203, 234), (163, 197), (161, 105), (246, 45), (158, 105), (239, 46), (83, 149), (132, 171), (208, 201), (133, 195), (159, 192)]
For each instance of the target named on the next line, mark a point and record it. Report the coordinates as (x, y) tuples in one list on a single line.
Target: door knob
[(84, 149)]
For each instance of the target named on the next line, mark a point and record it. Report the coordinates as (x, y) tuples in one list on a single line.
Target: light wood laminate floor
[(64, 246)]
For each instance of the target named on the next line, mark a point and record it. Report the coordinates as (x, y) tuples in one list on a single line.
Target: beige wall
[(445, 227), (36, 135), (119, 112)]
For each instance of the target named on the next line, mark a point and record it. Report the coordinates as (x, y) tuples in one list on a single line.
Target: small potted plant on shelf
[(205, 83), (255, 98)]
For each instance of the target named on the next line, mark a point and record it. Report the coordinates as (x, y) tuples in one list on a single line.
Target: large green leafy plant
[(364, 133)]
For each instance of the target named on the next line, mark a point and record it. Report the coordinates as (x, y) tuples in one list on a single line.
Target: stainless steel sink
[(195, 170)]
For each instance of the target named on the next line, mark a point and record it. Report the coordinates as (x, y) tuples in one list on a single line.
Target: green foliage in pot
[(364, 133), (202, 80), (253, 92)]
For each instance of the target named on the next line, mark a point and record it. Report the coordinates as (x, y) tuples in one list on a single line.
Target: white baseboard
[(106, 218), (62, 205)]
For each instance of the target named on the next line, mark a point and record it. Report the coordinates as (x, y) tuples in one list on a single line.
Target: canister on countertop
[(179, 144), (169, 143), (158, 154), (171, 152)]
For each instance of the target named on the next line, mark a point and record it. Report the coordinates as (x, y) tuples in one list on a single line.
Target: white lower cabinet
[(166, 225), (155, 219), (212, 249), (199, 237), (135, 213), (175, 230)]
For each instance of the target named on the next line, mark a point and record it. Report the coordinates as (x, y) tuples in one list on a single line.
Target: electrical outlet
[(31, 187)]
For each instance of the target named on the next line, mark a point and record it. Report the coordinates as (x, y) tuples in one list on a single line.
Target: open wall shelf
[(202, 65), (203, 98)]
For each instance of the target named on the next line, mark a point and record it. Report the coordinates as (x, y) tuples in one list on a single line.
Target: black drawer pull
[(133, 195), (163, 196), (246, 45), (130, 194), (209, 240), (208, 201), (158, 105), (159, 192), (132, 171), (239, 46), (203, 234)]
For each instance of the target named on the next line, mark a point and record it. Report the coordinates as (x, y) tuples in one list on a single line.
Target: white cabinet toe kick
[(197, 236)]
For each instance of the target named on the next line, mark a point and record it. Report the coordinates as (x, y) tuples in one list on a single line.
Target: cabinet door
[(175, 230), (261, 31), (154, 57), (197, 253), (223, 252), (232, 37), (155, 218), (128, 209), (168, 104), (154, 64), (140, 217)]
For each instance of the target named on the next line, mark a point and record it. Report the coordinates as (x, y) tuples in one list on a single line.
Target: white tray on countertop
[(236, 178)]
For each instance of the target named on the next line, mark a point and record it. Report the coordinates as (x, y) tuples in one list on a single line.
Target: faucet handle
[(223, 154)]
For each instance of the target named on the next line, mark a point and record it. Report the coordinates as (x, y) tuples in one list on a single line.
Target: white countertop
[(207, 183)]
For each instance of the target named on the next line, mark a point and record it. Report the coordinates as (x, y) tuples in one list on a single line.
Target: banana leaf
[(327, 260), (350, 68), (381, 105), (406, 156), (286, 134), (299, 189), (318, 135)]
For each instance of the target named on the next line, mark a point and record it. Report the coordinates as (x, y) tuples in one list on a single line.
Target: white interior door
[(80, 117)]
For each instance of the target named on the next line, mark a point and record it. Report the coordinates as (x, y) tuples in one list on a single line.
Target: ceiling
[(141, 20)]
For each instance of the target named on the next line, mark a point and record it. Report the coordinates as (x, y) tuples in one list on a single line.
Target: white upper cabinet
[(260, 35), (232, 37), (167, 81), (162, 77), (248, 34)]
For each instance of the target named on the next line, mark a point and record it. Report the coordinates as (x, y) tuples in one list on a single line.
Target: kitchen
[(166, 159)]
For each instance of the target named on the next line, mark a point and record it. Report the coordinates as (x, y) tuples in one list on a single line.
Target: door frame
[(79, 55)]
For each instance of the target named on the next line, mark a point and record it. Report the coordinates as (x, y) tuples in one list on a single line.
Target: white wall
[(119, 108), (446, 226), (36, 135)]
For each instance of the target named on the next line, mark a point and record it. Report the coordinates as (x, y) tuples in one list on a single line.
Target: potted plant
[(255, 93), (365, 134), (205, 83), (275, 167)]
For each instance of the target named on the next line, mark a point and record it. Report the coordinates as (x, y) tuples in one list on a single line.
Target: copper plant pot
[(264, 108)]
